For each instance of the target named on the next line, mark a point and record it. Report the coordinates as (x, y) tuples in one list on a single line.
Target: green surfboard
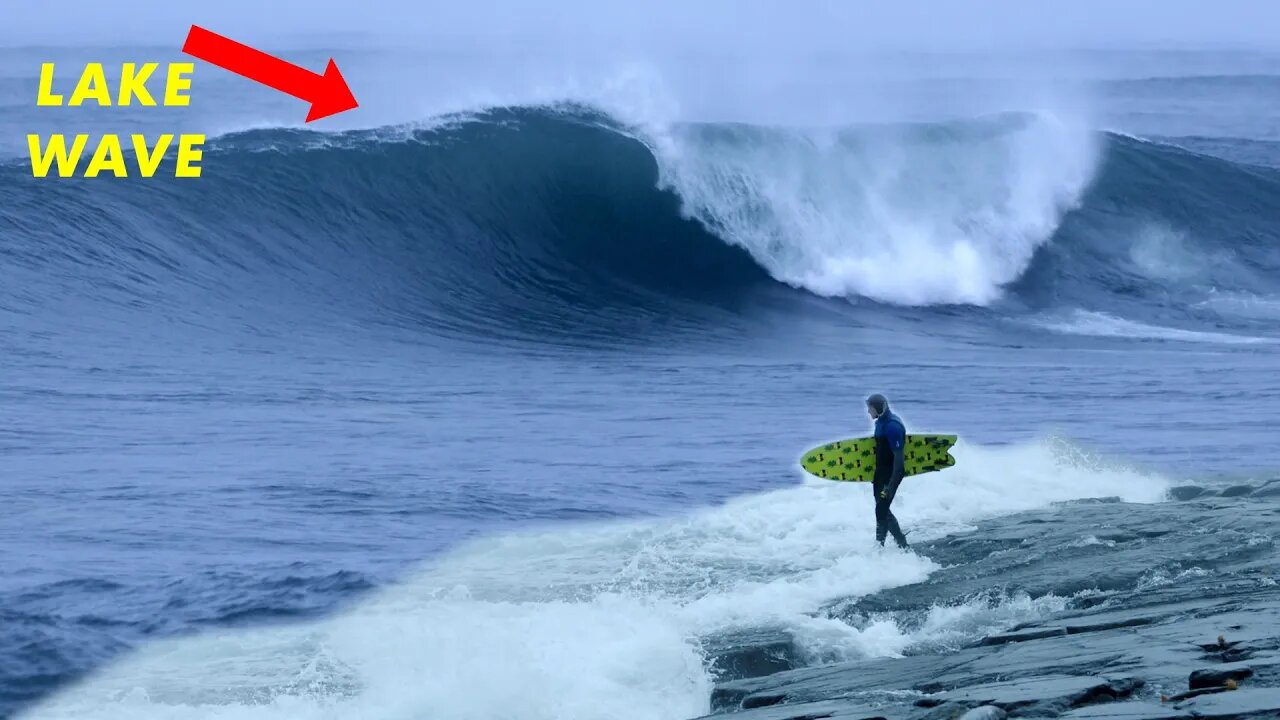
[(854, 460)]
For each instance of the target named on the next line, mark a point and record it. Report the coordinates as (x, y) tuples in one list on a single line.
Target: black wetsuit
[(891, 443)]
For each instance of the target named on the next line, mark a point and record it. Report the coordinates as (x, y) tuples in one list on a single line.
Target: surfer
[(891, 441)]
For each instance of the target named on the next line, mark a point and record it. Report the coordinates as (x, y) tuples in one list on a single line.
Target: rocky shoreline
[(1174, 612)]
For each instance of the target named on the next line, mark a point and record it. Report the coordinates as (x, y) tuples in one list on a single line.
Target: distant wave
[(1181, 82), (1243, 305), (1103, 325)]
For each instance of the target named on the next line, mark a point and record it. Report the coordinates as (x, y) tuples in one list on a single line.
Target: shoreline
[(1204, 643)]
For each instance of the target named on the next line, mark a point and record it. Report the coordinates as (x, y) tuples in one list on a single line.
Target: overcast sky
[(714, 25)]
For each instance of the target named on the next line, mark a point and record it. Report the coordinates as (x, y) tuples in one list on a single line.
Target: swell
[(517, 223), (561, 222), (1159, 231)]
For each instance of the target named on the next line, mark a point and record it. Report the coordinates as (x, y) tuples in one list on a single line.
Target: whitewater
[(597, 621), (909, 215)]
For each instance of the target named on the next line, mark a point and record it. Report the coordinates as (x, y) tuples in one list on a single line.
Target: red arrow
[(328, 93)]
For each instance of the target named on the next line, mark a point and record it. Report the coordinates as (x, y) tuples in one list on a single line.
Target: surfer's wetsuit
[(891, 443)]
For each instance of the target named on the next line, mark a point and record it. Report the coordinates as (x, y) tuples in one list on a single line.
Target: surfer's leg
[(892, 523), (882, 513), (886, 523)]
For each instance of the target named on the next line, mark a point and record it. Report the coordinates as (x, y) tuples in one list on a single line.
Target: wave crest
[(914, 215)]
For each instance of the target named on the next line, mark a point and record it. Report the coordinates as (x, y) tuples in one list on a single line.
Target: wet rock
[(833, 709), (1023, 635), (1178, 594), (750, 654), (1221, 644), (1186, 492), (757, 701), (1136, 621), (1237, 705), (1098, 623), (1237, 491), (986, 712), (1040, 695), (1126, 711), (1196, 693), (1229, 654), (1218, 677), (843, 679)]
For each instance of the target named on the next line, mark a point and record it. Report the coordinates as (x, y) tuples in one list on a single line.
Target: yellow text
[(92, 86), (109, 156)]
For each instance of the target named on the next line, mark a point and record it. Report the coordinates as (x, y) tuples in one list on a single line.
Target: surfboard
[(854, 460)]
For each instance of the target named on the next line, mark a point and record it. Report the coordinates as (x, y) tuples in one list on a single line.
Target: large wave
[(537, 222)]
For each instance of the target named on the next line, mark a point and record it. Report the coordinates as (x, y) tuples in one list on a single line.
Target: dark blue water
[(503, 409)]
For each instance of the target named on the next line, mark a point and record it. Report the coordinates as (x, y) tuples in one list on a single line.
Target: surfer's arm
[(898, 443)]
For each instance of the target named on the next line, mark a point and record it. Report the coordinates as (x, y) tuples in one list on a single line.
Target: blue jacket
[(891, 444)]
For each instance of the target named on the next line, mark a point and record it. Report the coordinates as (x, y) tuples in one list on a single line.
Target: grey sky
[(714, 25)]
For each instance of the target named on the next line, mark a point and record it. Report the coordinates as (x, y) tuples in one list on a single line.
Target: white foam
[(604, 620), (1160, 578), (1089, 540), (1241, 304), (1099, 324), (952, 626), (946, 214), (1164, 253)]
